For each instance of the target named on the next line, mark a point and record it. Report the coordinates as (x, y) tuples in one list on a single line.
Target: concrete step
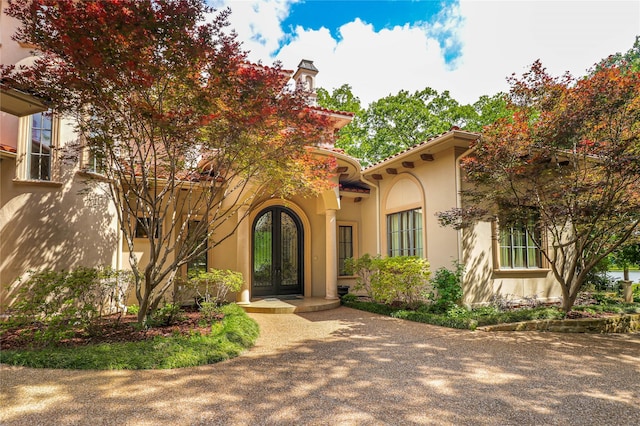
[(290, 305)]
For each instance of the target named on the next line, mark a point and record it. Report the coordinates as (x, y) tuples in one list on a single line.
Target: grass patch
[(462, 318), (228, 338)]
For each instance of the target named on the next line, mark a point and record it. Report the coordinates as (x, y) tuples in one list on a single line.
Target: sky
[(468, 47)]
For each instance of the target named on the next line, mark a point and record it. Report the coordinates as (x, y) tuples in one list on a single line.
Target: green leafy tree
[(187, 128), (630, 60), (397, 122), (570, 156), (343, 99), (488, 110), (340, 99), (627, 256)]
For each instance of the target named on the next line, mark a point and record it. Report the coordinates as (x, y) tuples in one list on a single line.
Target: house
[(50, 218)]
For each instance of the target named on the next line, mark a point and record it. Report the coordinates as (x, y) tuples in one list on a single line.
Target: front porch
[(289, 305)]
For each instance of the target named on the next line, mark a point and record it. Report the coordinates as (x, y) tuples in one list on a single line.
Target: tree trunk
[(625, 273), (569, 297), (144, 310)]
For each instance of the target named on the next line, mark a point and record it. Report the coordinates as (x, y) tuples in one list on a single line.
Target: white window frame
[(499, 269), (24, 154)]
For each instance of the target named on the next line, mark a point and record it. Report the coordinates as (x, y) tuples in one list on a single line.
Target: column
[(244, 255), (331, 245)]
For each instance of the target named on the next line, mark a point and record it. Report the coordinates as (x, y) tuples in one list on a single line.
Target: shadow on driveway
[(350, 367)]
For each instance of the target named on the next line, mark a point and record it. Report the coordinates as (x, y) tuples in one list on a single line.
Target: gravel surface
[(350, 367)]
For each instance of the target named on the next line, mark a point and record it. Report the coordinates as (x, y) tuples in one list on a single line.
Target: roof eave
[(432, 146)]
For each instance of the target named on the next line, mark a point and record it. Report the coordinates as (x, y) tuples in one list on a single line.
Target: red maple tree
[(569, 158), (183, 126)]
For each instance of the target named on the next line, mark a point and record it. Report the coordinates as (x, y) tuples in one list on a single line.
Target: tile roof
[(7, 148), (331, 111), (397, 154)]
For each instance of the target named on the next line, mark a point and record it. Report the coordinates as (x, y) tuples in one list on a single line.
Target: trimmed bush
[(213, 286), (401, 279)]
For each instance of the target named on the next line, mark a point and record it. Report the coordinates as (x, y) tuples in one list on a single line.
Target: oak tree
[(188, 133)]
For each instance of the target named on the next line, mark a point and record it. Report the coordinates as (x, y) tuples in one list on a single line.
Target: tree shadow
[(57, 227), (478, 283), (351, 367)]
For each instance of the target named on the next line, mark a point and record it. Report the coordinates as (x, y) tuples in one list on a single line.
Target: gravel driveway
[(350, 367)]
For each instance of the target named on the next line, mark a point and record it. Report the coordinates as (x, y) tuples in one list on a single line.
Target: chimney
[(305, 77)]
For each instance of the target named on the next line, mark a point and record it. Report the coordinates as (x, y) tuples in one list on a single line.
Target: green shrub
[(606, 298), (213, 286), (168, 314), (59, 302), (133, 309), (349, 297), (210, 313), (447, 287), (363, 268), (459, 321), (401, 279)]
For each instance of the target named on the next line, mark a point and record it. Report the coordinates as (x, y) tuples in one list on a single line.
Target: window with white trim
[(404, 233), (518, 249), (41, 147), (94, 160)]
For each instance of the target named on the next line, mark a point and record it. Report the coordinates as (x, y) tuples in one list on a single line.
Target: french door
[(277, 253)]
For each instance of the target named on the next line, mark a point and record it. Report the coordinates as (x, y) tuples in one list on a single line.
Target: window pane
[(262, 250), (40, 148), (199, 263), (45, 172), (518, 257), (404, 233), (532, 254), (34, 172), (505, 257), (289, 250), (517, 247), (345, 247)]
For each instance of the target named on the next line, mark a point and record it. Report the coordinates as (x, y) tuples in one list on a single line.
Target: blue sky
[(333, 14), (467, 47)]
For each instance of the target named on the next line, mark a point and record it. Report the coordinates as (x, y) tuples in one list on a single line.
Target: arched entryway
[(277, 261)]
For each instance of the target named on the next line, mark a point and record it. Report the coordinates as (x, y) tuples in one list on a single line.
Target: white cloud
[(496, 39), (257, 23)]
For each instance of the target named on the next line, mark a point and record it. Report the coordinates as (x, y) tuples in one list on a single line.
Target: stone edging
[(626, 323)]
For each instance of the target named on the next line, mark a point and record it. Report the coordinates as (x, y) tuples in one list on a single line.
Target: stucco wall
[(56, 227), (431, 186), (483, 280)]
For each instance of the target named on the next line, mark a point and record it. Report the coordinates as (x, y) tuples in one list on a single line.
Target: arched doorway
[(277, 261)]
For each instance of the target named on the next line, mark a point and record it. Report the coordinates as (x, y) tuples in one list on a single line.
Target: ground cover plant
[(442, 305), (189, 338), (463, 318)]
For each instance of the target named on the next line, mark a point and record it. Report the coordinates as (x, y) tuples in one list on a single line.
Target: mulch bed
[(111, 329)]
